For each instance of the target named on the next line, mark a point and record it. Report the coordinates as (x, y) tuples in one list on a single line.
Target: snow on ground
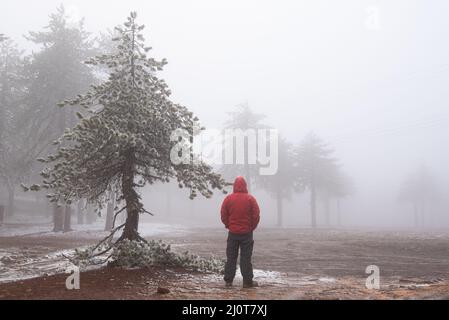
[(17, 263), (146, 229), (14, 230)]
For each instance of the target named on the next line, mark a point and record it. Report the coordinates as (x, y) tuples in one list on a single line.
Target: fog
[(370, 78)]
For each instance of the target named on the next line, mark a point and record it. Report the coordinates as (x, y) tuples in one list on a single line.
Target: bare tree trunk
[(90, 215), (80, 212), (49, 208), (130, 231), (327, 211), (313, 204), (247, 175), (109, 216), (279, 209), (11, 201), (68, 219), (58, 218)]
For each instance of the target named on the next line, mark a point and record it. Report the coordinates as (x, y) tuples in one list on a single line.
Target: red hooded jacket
[(240, 212)]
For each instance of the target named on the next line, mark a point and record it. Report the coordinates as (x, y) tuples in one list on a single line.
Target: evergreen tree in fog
[(420, 189), (15, 156), (315, 169), (281, 185), (243, 118), (125, 141)]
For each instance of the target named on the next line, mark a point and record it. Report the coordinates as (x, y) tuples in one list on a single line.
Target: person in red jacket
[(240, 214)]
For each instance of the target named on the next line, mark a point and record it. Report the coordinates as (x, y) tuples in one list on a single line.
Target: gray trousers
[(245, 242)]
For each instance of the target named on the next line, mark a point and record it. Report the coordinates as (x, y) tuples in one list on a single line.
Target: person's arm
[(225, 213), (255, 212)]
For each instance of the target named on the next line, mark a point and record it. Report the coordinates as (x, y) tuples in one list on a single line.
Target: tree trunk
[(327, 211), (133, 205), (313, 205), (49, 208), (247, 165), (80, 212), (248, 177), (58, 218), (90, 215), (279, 209), (11, 201), (68, 219), (109, 216)]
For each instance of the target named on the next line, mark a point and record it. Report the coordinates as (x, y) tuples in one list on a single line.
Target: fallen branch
[(110, 236), (115, 216)]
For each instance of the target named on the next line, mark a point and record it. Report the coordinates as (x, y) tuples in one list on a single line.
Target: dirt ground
[(289, 263)]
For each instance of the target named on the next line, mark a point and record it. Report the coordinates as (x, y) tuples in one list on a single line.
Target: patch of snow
[(13, 231), (147, 229), (327, 279)]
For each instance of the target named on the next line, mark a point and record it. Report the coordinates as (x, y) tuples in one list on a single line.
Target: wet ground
[(290, 263)]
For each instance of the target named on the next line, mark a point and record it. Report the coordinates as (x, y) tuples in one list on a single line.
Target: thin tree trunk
[(80, 212), (109, 216), (279, 210), (11, 201), (327, 211), (247, 175), (313, 205), (58, 218), (422, 215), (68, 219), (90, 215), (49, 208)]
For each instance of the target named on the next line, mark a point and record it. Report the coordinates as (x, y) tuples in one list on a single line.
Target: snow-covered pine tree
[(124, 142), (15, 159)]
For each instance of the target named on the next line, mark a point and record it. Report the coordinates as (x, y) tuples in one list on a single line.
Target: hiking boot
[(251, 284)]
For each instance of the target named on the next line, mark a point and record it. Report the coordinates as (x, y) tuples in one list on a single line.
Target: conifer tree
[(123, 143)]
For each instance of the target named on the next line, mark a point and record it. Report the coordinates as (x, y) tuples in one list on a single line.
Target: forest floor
[(290, 263)]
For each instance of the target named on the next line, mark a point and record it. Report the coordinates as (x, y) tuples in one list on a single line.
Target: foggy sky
[(379, 96)]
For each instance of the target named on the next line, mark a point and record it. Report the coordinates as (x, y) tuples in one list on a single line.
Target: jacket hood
[(240, 185)]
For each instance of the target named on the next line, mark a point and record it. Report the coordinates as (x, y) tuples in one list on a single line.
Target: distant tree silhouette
[(339, 186), (315, 169), (281, 185), (243, 118), (419, 189)]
